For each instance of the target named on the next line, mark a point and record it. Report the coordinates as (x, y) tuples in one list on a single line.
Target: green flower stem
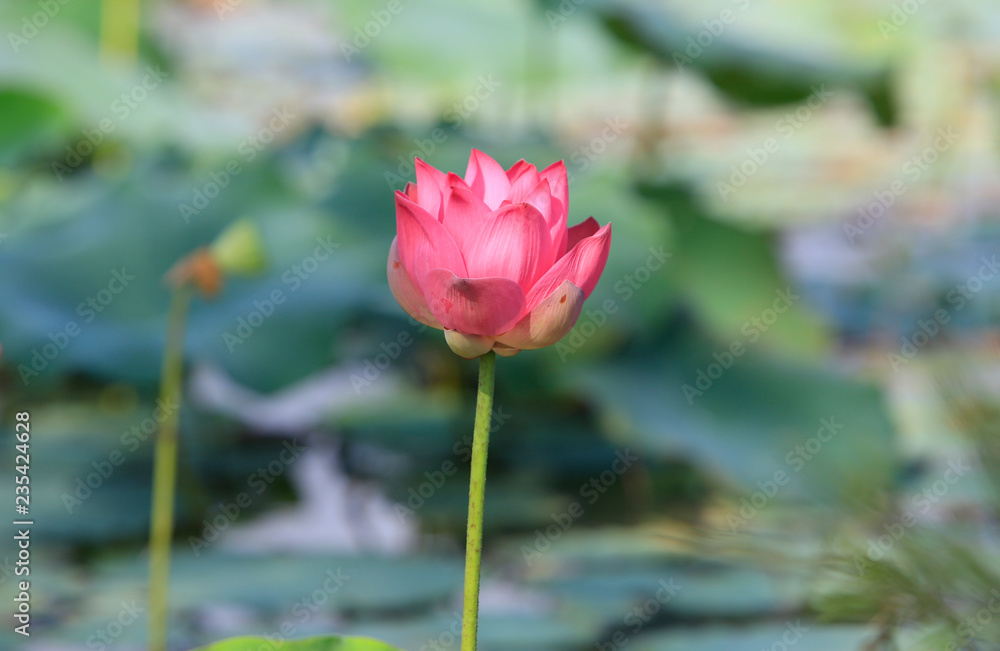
[(477, 494), (161, 530)]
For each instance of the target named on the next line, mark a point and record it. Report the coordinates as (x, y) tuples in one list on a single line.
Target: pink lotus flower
[(489, 258)]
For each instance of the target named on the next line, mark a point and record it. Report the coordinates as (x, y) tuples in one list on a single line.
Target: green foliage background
[(656, 107)]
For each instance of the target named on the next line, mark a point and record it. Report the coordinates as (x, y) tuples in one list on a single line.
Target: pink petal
[(555, 174), (424, 243), (406, 292), (523, 178), (559, 234), (558, 181), (584, 229), (465, 214), (487, 179), (430, 188), (582, 266), (513, 244), (549, 321), (474, 306), (519, 168), (468, 346), (541, 198), (411, 190), (454, 180)]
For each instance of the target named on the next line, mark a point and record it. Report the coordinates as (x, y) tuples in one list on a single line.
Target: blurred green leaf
[(753, 73), (731, 277), (313, 644), (748, 419), (31, 122), (803, 634)]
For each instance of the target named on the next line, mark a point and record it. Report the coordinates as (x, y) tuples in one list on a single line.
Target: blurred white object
[(335, 512), (298, 409)]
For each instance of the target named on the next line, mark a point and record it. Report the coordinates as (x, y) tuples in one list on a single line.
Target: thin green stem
[(477, 495), (161, 529)]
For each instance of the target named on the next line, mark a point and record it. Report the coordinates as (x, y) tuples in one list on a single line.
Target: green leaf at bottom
[(311, 644)]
